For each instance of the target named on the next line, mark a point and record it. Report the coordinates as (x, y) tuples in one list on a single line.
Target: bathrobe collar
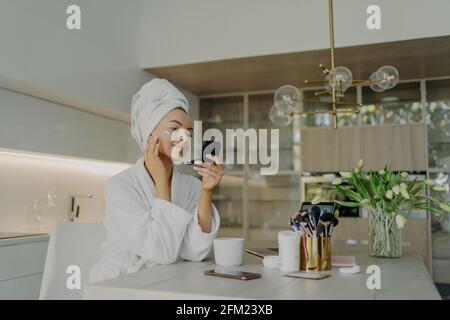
[(147, 183)]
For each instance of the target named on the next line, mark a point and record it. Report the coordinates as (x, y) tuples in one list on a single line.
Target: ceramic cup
[(228, 252)]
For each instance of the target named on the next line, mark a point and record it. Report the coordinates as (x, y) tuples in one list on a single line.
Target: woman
[(152, 212)]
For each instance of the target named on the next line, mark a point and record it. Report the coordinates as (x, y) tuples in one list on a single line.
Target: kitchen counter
[(14, 238), (401, 278)]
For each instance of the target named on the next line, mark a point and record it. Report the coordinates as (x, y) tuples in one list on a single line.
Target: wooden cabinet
[(402, 147), (328, 150)]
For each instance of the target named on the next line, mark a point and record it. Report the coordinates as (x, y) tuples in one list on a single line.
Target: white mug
[(228, 252)]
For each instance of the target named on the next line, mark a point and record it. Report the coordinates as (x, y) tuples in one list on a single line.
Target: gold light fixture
[(337, 80)]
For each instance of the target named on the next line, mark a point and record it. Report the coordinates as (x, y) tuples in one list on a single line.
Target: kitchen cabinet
[(321, 120), (399, 105), (33, 124), (227, 113), (22, 261), (392, 128), (438, 125), (329, 150), (252, 205), (402, 147)]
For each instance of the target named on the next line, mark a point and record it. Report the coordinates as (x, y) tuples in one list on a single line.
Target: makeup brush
[(306, 229), (315, 212), (298, 217), (334, 224), (294, 226), (320, 228), (327, 219)]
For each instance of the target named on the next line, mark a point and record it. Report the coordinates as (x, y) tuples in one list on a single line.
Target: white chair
[(70, 244)]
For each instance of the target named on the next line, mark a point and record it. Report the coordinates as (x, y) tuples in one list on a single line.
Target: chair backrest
[(71, 245)]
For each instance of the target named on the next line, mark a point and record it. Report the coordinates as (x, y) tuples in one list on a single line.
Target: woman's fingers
[(156, 151), (209, 173), (216, 159), (208, 168), (215, 167), (152, 144)]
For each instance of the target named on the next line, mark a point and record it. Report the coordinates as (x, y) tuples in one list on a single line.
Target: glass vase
[(384, 236)]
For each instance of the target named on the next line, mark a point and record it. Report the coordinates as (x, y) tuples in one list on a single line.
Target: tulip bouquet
[(389, 197)]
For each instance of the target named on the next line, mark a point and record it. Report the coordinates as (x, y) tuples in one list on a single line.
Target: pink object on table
[(343, 261)]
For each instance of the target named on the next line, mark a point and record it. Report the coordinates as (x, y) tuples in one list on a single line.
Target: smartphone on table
[(231, 274)]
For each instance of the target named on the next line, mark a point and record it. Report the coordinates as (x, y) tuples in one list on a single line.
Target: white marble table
[(402, 278)]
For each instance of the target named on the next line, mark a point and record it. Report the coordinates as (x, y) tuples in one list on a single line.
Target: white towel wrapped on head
[(155, 99)]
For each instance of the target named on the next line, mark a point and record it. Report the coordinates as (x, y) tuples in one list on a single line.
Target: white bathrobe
[(143, 230)]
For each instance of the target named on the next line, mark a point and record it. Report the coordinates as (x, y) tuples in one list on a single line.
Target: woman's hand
[(158, 171), (211, 176), (211, 173)]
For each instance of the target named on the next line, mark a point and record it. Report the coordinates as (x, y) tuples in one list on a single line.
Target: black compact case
[(211, 147)]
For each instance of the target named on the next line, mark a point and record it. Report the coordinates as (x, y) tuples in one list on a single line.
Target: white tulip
[(403, 191), (381, 172), (396, 189), (345, 175), (400, 221), (444, 207), (336, 182), (404, 174), (360, 163), (389, 194)]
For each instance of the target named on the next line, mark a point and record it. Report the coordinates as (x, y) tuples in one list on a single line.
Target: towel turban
[(155, 99)]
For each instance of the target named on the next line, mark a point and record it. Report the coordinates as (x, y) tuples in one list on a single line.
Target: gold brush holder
[(315, 253)]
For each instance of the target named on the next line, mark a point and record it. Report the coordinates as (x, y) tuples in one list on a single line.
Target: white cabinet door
[(21, 269), (23, 288), (22, 259)]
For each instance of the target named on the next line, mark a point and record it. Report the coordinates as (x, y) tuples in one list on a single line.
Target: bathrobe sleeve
[(196, 243), (155, 234)]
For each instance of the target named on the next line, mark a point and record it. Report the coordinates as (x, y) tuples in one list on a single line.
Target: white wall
[(99, 63), (179, 31), (42, 185)]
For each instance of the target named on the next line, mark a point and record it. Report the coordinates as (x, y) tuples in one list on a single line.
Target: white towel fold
[(153, 101)]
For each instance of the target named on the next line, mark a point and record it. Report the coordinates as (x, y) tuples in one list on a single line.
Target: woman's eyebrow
[(178, 122)]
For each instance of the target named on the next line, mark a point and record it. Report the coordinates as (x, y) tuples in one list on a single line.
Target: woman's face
[(173, 130)]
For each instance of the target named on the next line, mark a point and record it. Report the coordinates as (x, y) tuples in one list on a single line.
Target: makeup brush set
[(315, 224)]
